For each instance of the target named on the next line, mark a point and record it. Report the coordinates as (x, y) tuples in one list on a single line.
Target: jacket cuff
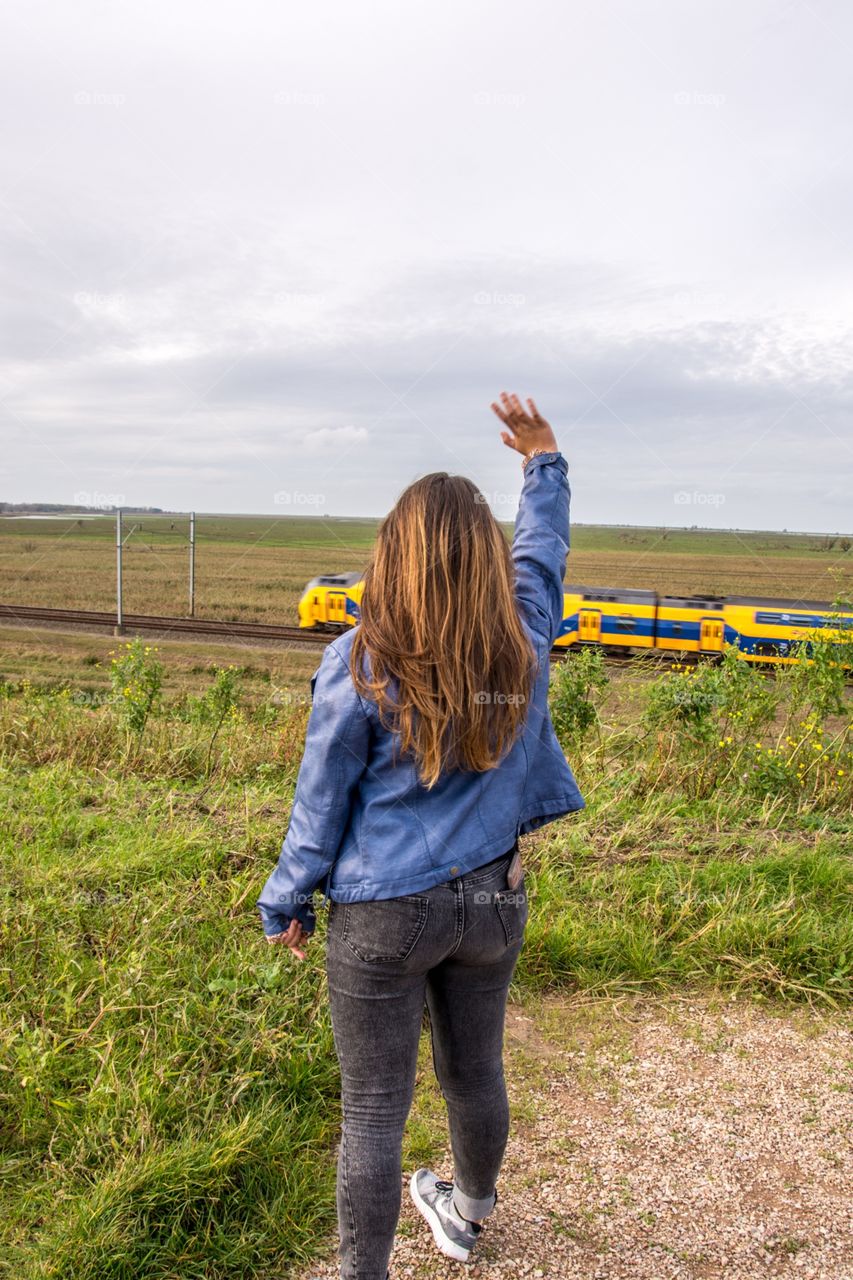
[(543, 459), (277, 921)]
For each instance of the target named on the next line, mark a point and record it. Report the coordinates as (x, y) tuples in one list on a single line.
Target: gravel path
[(663, 1139)]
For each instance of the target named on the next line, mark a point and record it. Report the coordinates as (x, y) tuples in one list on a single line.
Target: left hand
[(527, 428), (293, 937)]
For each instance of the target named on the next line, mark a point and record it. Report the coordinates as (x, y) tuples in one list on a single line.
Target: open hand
[(526, 430), (293, 937)]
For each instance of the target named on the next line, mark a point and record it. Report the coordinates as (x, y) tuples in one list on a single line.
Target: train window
[(625, 622), (793, 619)]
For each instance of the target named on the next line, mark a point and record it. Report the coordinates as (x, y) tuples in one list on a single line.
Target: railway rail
[(10, 614)]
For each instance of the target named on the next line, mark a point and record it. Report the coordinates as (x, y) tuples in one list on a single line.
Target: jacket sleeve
[(540, 545), (336, 753)]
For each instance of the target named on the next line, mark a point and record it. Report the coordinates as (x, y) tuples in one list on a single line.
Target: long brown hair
[(439, 621)]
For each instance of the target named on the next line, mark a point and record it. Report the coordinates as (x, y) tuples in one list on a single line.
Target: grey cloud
[(311, 248)]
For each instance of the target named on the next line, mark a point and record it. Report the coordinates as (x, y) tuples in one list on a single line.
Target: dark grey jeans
[(454, 947)]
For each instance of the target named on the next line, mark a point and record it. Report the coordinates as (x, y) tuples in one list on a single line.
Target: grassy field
[(253, 567), (168, 1083)]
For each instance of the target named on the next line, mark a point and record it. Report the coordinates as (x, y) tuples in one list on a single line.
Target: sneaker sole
[(445, 1246)]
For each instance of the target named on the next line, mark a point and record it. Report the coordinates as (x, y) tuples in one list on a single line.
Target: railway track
[(93, 619), (191, 628), (199, 628)]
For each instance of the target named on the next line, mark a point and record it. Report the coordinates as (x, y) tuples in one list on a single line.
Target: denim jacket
[(362, 825)]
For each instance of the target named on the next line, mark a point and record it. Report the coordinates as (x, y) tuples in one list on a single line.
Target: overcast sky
[(268, 256)]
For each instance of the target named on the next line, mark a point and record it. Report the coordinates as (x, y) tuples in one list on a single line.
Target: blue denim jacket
[(362, 825)]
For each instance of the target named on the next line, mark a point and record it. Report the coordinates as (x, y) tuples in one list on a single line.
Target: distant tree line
[(60, 508)]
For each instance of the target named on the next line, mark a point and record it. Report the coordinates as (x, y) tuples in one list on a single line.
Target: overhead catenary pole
[(192, 564), (119, 627)]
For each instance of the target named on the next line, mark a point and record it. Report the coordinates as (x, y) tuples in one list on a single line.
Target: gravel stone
[(661, 1140)]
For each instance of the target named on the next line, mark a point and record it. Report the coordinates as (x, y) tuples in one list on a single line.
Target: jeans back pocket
[(385, 929)]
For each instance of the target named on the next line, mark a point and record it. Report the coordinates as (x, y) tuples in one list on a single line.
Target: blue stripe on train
[(749, 644), (666, 630), (670, 629), (610, 626), (641, 627)]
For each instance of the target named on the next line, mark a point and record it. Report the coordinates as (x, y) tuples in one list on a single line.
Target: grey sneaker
[(454, 1235)]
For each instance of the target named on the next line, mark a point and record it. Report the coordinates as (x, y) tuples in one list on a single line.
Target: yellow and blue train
[(623, 620)]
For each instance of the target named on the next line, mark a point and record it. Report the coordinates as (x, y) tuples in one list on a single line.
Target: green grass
[(168, 1084), (168, 531), (780, 924), (326, 532)]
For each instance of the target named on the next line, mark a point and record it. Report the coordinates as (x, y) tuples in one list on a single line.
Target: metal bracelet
[(533, 454)]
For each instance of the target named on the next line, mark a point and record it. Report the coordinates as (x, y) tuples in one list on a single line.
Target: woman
[(429, 751)]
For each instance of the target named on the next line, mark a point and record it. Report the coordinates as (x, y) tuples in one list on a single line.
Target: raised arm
[(541, 542)]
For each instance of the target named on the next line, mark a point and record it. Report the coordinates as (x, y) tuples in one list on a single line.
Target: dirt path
[(661, 1139)]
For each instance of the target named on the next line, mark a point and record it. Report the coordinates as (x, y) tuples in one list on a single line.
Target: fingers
[(291, 937), (507, 412), (512, 409), (535, 414), (293, 945), (519, 420), (300, 938)]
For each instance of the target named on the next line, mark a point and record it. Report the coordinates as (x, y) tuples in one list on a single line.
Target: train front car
[(778, 631), (331, 602), (616, 618)]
